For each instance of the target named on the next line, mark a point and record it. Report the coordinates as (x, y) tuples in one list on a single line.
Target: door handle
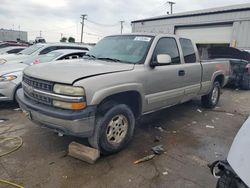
[(181, 72)]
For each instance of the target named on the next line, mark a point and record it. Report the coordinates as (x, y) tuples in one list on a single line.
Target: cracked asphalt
[(191, 136)]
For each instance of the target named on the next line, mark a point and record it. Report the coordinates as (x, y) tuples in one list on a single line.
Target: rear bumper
[(75, 123), (7, 90)]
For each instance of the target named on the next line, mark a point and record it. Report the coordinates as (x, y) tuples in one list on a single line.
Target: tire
[(226, 182), (113, 129), (230, 182), (245, 82), (211, 100)]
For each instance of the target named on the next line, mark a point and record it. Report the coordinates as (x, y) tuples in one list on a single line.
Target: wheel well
[(130, 98), (17, 87), (220, 79)]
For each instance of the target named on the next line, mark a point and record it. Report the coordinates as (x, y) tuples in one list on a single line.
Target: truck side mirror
[(163, 59)]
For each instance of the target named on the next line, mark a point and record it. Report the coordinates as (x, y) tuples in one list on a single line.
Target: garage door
[(206, 34)]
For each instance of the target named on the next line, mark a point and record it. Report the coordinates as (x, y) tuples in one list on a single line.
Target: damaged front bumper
[(76, 123)]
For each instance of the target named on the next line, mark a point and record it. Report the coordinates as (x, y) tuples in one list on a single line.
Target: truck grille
[(31, 83), (38, 84)]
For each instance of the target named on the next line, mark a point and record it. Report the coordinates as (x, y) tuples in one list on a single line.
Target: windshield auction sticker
[(145, 39)]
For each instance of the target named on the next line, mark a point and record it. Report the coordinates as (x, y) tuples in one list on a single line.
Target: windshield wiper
[(109, 59)]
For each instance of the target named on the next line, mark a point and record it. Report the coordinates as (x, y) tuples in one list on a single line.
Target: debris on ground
[(157, 139), (160, 129), (84, 153), (229, 114), (198, 110), (144, 159), (17, 109), (174, 132), (60, 134), (194, 122), (213, 121), (165, 173), (14, 143), (210, 126), (217, 154), (3, 120), (158, 150)]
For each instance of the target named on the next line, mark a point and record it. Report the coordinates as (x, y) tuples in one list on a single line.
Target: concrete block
[(84, 153)]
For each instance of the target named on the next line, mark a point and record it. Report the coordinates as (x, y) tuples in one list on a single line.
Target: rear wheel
[(113, 130), (211, 100)]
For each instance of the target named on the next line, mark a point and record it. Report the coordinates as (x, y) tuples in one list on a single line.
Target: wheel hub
[(215, 95), (117, 129)]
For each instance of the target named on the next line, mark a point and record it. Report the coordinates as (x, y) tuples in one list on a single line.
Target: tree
[(63, 39), (71, 39)]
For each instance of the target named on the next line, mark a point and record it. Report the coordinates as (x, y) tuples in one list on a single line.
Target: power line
[(103, 25)]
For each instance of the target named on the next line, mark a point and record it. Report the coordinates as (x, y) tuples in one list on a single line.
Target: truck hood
[(13, 58), (12, 68), (68, 71)]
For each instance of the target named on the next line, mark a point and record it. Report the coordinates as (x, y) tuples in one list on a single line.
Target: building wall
[(12, 35), (240, 22), (241, 34)]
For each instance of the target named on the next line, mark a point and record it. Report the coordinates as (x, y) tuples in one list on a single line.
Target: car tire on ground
[(211, 100), (113, 130)]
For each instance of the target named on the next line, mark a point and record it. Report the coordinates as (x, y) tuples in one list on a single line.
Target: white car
[(39, 49), (12, 49), (11, 73)]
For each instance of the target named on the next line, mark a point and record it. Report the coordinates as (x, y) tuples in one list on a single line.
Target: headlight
[(7, 78), (68, 90), (2, 61)]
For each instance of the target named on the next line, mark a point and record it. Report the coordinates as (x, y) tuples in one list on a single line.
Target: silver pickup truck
[(122, 78)]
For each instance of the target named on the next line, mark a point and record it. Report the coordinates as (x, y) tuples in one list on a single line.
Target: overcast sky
[(54, 17)]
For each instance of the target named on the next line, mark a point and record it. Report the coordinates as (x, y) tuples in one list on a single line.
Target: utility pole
[(40, 33), (83, 18), (171, 3), (122, 22)]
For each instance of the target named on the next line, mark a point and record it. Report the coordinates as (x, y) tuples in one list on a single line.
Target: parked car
[(11, 74), (39, 49), (12, 43), (122, 78), (235, 171), (12, 50), (240, 65)]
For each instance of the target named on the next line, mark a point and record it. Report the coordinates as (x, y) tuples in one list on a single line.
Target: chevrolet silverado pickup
[(122, 78)]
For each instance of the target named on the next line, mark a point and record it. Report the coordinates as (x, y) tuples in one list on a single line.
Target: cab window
[(188, 50), (167, 46)]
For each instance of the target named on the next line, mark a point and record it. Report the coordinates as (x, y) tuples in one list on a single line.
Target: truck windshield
[(123, 48)]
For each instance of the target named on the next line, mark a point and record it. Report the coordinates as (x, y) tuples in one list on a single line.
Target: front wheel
[(211, 100), (113, 129)]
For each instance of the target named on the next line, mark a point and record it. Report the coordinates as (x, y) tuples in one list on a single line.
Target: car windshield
[(122, 48), (30, 50), (43, 58)]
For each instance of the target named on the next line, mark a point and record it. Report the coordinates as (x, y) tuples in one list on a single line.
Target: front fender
[(100, 95)]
